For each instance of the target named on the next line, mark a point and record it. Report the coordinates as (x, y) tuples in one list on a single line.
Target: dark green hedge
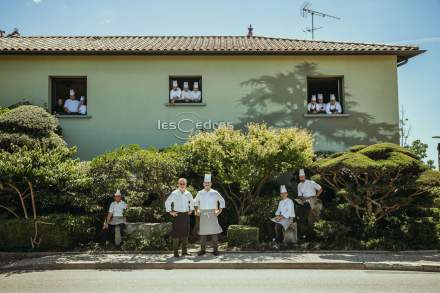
[(63, 232), (242, 236)]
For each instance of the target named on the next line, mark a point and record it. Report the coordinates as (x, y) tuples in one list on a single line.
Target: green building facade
[(126, 85)]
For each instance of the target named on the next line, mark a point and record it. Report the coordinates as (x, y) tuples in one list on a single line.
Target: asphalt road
[(219, 281)]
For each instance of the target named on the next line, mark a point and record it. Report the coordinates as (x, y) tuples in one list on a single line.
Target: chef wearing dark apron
[(180, 205)]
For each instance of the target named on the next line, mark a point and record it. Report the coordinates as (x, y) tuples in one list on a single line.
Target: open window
[(69, 95), (328, 94), (185, 89)]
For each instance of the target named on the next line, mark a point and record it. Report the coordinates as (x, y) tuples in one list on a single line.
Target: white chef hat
[(283, 189), (332, 97), (320, 97), (313, 98), (302, 173), (174, 82), (82, 98), (71, 92), (185, 84), (118, 192), (207, 178), (196, 85)]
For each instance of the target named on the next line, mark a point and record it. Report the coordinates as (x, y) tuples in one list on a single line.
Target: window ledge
[(326, 115), (73, 116), (185, 104)]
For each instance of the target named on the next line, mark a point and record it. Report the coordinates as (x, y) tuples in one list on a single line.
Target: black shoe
[(176, 254), (215, 253), (185, 254), (201, 253)]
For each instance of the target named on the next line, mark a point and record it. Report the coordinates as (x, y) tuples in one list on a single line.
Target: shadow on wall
[(280, 101)]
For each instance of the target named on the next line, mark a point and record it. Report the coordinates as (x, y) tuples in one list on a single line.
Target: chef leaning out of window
[(186, 95), (71, 105)]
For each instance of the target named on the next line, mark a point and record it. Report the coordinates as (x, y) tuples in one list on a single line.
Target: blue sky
[(386, 21)]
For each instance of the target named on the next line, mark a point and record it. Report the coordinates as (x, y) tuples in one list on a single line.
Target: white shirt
[(286, 208), (187, 95), (308, 188), (175, 94), (313, 107), (320, 107), (71, 105), (330, 107), (207, 200), (117, 208), (83, 109), (182, 201), (196, 95)]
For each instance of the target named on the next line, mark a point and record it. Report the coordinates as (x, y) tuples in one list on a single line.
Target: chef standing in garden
[(209, 205), (180, 205)]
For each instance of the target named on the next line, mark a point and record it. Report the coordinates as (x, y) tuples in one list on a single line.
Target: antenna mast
[(305, 10)]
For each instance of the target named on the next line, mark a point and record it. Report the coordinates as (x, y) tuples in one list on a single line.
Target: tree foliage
[(138, 172), (243, 161), (29, 126), (377, 180)]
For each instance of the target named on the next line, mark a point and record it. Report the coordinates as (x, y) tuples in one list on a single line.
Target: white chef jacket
[(71, 105), (182, 201), (117, 208), (330, 106), (308, 188), (310, 105), (207, 200), (320, 107), (286, 208), (83, 109), (187, 95), (196, 96), (175, 94)]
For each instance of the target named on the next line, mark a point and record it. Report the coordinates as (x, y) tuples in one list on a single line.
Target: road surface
[(229, 281)]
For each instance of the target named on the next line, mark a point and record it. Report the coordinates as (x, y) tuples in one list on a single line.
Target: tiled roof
[(192, 45)]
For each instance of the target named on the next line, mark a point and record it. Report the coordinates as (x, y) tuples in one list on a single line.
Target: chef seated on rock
[(175, 92), (312, 107), (186, 93), (71, 105), (115, 217), (180, 205), (209, 204), (333, 107), (320, 104), (309, 192), (284, 215), (196, 93)]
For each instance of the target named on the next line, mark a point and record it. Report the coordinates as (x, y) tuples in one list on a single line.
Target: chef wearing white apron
[(175, 93), (207, 203), (186, 93), (308, 192), (196, 93), (284, 215)]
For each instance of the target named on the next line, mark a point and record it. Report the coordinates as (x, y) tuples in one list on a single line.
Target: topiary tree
[(29, 126), (244, 161), (377, 180), (138, 172)]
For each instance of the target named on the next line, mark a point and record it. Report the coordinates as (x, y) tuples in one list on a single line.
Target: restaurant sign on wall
[(187, 123)]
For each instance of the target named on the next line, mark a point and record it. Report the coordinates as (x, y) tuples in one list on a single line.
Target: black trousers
[(109, 234), (177, 241), (279, 232), (204, 238)]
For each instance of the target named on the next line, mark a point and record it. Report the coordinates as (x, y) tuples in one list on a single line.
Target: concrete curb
[(224, 265)]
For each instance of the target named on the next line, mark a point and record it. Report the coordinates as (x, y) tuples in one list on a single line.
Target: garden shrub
[(242, 235), (155, 241), (29, 126), (63, 231)]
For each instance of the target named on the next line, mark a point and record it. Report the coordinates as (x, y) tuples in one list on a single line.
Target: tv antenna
[(305, 10)]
